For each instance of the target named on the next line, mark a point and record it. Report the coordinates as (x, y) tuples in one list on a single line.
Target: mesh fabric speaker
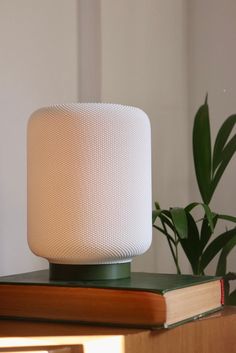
[(89, 183)]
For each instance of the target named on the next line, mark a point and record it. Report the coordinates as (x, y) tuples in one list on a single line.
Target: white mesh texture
[(89, 183)]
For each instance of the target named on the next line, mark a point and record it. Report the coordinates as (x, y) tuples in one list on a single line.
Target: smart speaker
[(89, 188)]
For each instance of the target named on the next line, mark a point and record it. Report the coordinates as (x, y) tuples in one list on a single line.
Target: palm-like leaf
[(215, 247), (202, 152), (191, 245), (231, 300), (221, 140), (180, 221), (227, 217), (209, 169), (226, 156), (178, 224), (207, 231), (208, 214), (222, 262)]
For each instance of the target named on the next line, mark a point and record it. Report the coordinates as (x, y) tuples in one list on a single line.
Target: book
[(146, 300)]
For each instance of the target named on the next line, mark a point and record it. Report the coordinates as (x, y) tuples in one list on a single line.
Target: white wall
[(38, 66)]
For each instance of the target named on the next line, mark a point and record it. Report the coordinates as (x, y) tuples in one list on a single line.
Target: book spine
[(222, 283)]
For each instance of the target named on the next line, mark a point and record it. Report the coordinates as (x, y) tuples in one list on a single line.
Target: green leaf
[(221, 139), (215, 246), (207, 231), (180, 222), (202, 151), (157, 206), (191, 206), (209, 216), (227, 217), (166, 220), (222, 262), (227, 154), (191, 245), (208, 213), (155, 214), (164, 217), (230, 276), (231, 300)]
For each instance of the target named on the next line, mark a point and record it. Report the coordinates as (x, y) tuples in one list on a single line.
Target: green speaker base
[(61, 272)]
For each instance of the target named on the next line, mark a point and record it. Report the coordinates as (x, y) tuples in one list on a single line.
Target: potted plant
[(182, 226)]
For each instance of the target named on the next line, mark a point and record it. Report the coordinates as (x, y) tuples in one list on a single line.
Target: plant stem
[(171, 248), (165, 233), (176, 248)]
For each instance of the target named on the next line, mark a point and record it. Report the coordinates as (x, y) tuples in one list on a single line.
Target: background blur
[(160, 55)]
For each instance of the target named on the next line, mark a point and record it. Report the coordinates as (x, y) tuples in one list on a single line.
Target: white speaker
[(89, 188)]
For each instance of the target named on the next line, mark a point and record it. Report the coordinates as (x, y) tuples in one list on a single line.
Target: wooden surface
[(216, 333)]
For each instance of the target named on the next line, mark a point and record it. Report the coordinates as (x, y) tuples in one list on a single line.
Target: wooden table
[(214, 334)]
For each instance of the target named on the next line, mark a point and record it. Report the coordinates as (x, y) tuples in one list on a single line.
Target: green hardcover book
[(143, 300)]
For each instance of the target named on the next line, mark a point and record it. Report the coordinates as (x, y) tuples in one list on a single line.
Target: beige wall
[(212, 50), (163, 56), (159, 55), (38, 66), (144, 59)]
